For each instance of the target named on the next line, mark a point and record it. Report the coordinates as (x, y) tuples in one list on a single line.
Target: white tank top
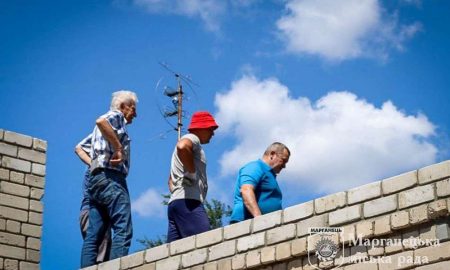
[(185, 189)]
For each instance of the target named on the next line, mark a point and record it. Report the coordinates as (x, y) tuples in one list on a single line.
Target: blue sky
[(358, 90)]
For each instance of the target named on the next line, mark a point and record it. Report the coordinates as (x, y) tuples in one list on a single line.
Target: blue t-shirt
[(268, 194)]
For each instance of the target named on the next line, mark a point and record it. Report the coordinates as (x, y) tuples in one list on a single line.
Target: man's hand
[(169, 182), (189, 178), (116, 158), (83, 155)]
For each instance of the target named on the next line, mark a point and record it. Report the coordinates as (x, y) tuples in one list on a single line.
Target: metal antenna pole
[(180, 106), (177, 98)]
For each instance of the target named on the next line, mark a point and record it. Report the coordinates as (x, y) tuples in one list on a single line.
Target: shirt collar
[(265, 165), (120, 112)]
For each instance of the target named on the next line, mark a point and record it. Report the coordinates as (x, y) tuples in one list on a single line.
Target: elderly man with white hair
[(107, 188)]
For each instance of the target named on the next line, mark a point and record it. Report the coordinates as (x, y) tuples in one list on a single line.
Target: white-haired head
[(122, 97)]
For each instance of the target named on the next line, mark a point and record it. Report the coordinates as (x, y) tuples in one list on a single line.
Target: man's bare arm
[(186, 154), (83, 155), (248, 195)]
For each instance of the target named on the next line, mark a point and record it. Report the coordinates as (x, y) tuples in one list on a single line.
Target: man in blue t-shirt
[(257, 191)]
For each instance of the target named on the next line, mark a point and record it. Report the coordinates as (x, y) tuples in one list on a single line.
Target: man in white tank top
[(188, 183)]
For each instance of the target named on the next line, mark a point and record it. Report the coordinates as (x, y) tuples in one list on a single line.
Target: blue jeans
[(186, 217), (84, 188), (109, 202)]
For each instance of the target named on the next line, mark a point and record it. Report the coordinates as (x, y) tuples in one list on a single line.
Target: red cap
[(202, 120)]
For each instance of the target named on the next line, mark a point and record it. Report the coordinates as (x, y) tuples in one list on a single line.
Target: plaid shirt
[(86, 144), (102, 150)]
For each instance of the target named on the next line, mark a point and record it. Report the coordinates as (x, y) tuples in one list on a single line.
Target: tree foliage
[(216, 211), (149, 243)]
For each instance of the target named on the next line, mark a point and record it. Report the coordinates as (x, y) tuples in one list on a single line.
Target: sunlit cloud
[(149, 204), (341, 30), (337, 142), (209, 11)]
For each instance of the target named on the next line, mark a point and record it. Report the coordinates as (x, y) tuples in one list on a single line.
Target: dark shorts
[(186, 217)]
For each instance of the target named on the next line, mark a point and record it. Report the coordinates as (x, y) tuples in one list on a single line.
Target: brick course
[(345, 215), (399, 182), (415, 196), (17, 139), (434, 172), (237, 229), (380, 206), (209, 238), (330, 202), (267, 221), (364, 193), (298, 212)]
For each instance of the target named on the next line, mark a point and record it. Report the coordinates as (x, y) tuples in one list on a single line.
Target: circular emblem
[(326, 249)]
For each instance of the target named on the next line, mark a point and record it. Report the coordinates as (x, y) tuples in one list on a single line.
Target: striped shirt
[(86, 144), (102, 150)]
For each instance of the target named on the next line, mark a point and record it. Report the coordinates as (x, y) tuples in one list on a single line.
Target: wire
[(161, 135), (159, 106)]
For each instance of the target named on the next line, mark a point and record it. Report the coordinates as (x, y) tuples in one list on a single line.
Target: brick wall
[(402, 213), (22, 172)]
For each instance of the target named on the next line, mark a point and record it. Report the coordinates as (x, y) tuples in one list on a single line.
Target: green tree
[(149, 243), (216, 211)]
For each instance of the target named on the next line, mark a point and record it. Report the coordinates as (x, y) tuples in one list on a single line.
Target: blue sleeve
[(251, 174)]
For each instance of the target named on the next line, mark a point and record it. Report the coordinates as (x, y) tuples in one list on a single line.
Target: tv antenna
[(177, 96)]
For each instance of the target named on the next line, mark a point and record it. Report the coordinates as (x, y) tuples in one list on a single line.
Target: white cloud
[(337, 142), (149, 204), (340, 30), (209, 11)]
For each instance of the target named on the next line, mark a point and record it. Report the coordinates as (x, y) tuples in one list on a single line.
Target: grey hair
[(276, 147), (121, 97)]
